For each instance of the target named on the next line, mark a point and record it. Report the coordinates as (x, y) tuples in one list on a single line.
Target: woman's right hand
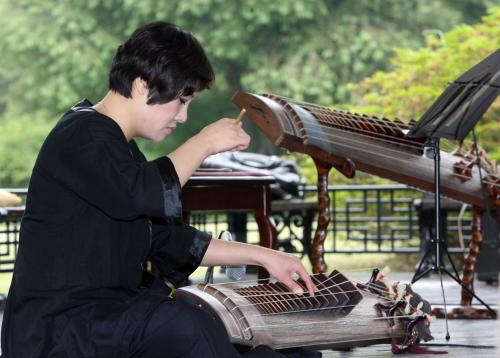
[(220, 136), (223, 135)]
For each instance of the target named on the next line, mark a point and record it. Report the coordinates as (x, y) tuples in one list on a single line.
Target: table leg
[(267, 230)]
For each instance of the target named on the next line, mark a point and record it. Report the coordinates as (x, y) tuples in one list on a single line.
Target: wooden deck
[(469, 338)]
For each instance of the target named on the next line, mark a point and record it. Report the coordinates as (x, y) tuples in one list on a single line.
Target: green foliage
[(352, 41), (418, 77), (20, 140), (56, 53)]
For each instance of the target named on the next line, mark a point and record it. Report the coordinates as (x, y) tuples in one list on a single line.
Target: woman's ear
[(140, 87)]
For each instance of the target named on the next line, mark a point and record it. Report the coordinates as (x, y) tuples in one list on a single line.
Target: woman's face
[(156, 121)]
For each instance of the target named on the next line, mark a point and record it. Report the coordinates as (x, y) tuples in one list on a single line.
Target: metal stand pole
[(431, 150)]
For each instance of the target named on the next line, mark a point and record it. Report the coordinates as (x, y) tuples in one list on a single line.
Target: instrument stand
[(432, 150)]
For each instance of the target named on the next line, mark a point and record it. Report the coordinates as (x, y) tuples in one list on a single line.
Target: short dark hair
[(169, 59)]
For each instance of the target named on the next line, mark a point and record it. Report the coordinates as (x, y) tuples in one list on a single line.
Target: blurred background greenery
[(385, 57)]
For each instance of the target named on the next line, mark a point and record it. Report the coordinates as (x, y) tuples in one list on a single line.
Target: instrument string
[(362, 316), (273, 292), (325, 129), (294, 101), (337, 117), (396, 141), (349, 123), (363, 144), (265, 280), (264, 293), (381, 296), (330, 111), (374, 287), (369, 288), (491, 175), (358, 317), (301, 310), (375, 125), (373, 135), (309, 311), (350, 321), (370, 285), (298, 296), (380, 293), (363, 269), (471, 161), (232, 283), (352, 121), (299, 299), (486, 180), (338, 136)]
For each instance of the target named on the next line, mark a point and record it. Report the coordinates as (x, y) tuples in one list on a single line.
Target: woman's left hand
[(281, 265), (284, 266)]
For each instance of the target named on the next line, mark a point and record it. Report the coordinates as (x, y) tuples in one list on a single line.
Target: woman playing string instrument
[(97, 210)]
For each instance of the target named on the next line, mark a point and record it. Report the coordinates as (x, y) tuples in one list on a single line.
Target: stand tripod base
[(431, 149), (464, 313)]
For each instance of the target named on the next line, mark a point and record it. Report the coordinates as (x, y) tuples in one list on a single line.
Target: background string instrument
[(350, 141)]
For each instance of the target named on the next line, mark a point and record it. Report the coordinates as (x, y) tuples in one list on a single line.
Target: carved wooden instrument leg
[(318, 249), (471, 259)]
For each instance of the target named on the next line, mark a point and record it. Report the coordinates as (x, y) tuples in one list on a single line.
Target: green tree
[(20, 140), (351, 40), (419, 76), (54, 53)]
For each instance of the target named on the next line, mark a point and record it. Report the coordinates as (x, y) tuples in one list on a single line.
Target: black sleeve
[(177, 249), (105, 174)]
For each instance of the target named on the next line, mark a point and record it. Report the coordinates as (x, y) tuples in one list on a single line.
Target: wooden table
[(233, 192)]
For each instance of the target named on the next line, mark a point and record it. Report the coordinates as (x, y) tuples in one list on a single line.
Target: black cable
[(209, 275), (455, 345)]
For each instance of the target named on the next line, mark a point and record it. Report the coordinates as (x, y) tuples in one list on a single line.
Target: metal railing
[(10, 220), (385, 219), (364, 219)]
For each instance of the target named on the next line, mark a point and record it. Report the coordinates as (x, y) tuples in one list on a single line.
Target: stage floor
[(469, 338)]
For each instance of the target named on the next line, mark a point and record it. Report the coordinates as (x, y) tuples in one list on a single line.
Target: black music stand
[(453, 115)]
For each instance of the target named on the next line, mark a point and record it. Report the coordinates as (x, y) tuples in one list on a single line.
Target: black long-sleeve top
[(96, 210)]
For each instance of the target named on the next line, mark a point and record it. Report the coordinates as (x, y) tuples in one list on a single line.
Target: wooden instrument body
[(305, 129), (316, 329), (349, 141)]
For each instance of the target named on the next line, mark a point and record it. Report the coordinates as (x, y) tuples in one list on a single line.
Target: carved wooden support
[(318, 248), (471, 259)]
